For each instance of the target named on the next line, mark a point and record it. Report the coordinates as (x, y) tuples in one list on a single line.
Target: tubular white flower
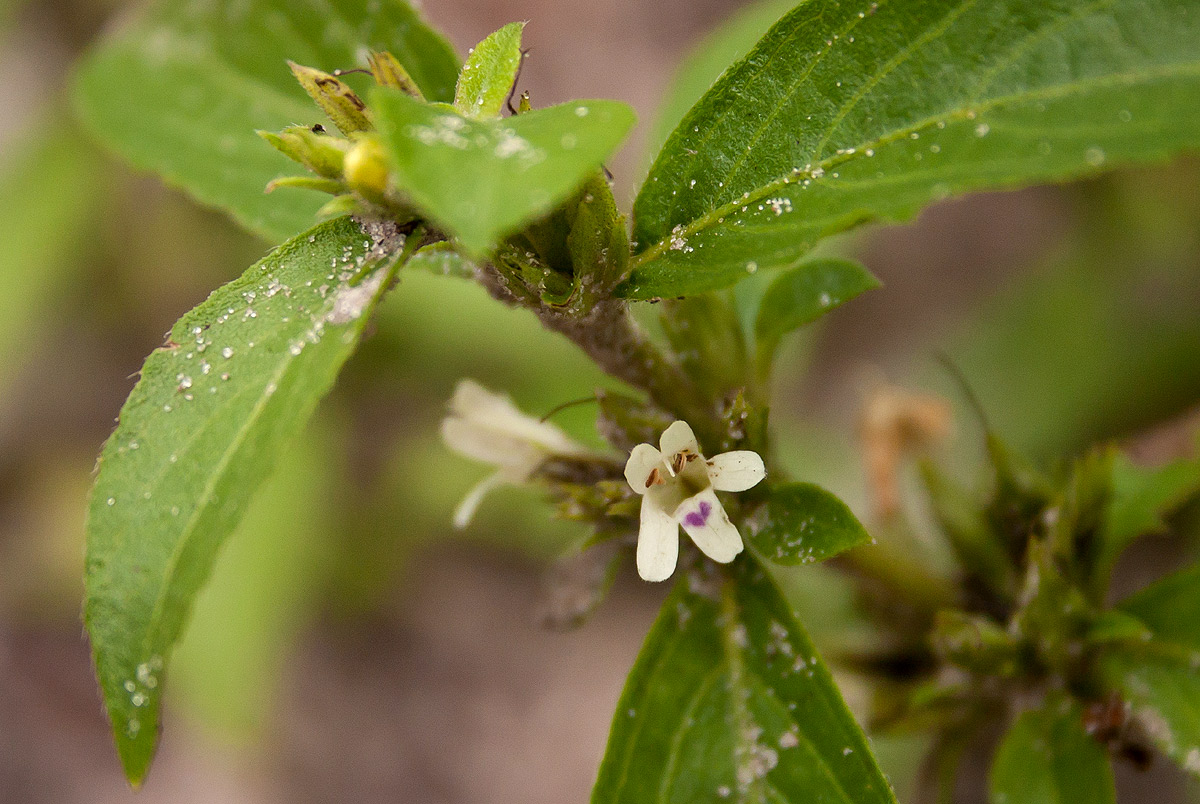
[(678, 487), (488, 427)]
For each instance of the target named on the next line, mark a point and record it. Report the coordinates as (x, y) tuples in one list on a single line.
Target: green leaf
[(1160, 682), (1047, 758), (805, 523), (851, 112), (202, 428), (729, 700), (1141, 497), (803, 295), (1170, 607), (709, 58), (182, 90), (489, 73), (484, 179)]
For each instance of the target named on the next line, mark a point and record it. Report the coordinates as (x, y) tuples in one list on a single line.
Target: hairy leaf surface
[(847, 112), (202, 428), (729, 701)]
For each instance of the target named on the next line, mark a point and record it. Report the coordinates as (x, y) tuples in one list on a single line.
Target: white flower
[(488, 427), (678, 488)]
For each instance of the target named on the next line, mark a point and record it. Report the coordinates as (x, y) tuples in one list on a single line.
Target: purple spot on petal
[(697, 519)]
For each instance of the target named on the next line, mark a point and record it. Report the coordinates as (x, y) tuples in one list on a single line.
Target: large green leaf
[(805, 523), (729, 701), (182, 90), (1046, 758), (483, 179), (709, 58), (847, 112), (204, 425)]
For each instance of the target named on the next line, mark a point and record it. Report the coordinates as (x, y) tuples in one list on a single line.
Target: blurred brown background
[(351, 647)]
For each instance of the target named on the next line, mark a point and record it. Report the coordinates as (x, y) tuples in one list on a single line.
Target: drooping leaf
[(850, 112), (710, 57), (1160, 682), (204, 425), (805, 523), (803, 295), (489, 73), (1047, 758), (483, 179), (182, 90), (729, 701)]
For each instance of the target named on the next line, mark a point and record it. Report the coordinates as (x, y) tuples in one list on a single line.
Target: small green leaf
[(1159, 680), (805, 523), (803, 295), (846, 112), (202, 428), (1141, 497), (1047, 758), (1170, 607), (489, 74), (182, 90), (483, 179), (729, 700)]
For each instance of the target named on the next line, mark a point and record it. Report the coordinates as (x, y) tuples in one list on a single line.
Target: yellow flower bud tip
[(336, 99), (366, 169), (524, 105)]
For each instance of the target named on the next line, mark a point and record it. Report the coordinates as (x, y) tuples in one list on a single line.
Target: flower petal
[(705, 520), (466, 509), (736, 471), (643, 460), (677, 438), (486, 410), (658, 540)]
